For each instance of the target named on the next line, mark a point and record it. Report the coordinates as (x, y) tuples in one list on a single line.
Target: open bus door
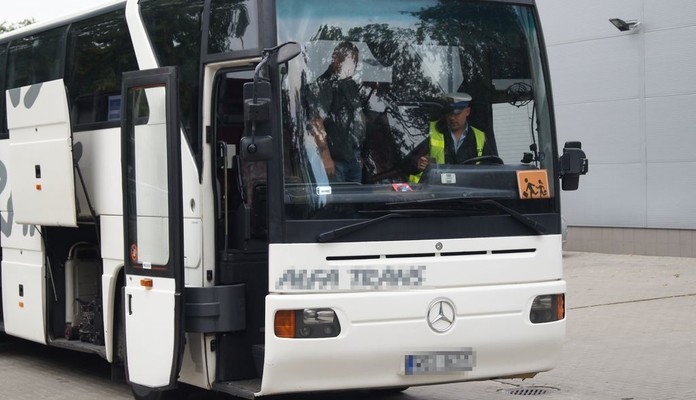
[(153, 229), (41, 165)]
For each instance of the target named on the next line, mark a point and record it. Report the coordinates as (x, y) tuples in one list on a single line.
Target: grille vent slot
[(465, 253), (351, 258), (426, 255), (421, 255), (513, 251)]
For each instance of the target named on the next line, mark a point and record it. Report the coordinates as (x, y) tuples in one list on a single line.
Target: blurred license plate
[(439, 362)]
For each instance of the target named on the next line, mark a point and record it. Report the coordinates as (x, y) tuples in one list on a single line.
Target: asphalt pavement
[(631, 335)]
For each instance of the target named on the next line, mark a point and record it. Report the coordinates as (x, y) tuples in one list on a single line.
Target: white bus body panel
[(98, 153), (23, 266), (40, 156), (379, 329), (491, 282), (457, 263), (5, 186), (194, 369)]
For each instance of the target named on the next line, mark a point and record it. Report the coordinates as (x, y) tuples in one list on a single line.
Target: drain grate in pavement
[(529, 391)]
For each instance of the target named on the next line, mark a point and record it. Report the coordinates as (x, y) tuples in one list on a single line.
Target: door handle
[(130, 304)]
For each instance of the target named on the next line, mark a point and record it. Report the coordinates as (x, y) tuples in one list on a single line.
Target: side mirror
[(256, 148), (257, 143), (286, 52), (573, 163)]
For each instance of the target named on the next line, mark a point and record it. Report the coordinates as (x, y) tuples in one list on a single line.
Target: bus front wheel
[(145, 393)]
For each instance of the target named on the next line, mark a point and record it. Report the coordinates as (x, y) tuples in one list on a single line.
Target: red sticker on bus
[(134, 253)]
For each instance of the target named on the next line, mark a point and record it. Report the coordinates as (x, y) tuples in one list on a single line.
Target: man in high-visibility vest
[(452, 140)]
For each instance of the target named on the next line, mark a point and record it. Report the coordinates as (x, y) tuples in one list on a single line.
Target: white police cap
[(457, 100)]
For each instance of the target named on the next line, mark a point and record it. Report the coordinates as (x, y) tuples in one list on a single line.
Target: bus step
[(244, 389)]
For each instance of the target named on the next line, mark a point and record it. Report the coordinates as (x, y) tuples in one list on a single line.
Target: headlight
[(308, 323), (547, 308)]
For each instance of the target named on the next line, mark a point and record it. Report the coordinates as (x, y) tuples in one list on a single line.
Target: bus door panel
[(41, 166), (153, 228)]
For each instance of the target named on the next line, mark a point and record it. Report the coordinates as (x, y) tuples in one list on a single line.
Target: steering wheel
[(490, 159)]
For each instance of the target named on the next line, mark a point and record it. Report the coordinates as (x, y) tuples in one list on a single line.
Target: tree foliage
[(229, 21), (10, 26)]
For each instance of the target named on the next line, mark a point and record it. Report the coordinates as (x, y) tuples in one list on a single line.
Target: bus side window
[(174, 29), (94, 87), (35, 59)]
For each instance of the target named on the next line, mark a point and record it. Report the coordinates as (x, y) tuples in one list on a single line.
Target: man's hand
[(319, 132), (423, 162), (329, 164)]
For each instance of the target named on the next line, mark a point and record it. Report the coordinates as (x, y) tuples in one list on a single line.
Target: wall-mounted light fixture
[(623, 26)]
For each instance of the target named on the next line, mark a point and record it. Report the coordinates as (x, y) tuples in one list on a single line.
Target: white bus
[(166, 202)]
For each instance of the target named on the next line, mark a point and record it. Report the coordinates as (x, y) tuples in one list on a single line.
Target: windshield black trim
[(422, 227), (460, 203)]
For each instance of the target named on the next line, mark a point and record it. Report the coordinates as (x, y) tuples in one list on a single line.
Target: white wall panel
[(610, 132), (672, 195), (630, 98), (671, 129), (609, 195), (661, 14), (670, 62), (599, 70), (566, 21)]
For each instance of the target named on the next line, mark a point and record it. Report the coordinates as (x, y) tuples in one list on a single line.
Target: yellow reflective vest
[(437, 146)]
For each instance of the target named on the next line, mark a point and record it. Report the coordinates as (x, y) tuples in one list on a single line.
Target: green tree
[(10, 26), (229, 20)]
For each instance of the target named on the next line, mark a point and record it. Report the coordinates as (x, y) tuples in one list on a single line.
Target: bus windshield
[(403, 101)]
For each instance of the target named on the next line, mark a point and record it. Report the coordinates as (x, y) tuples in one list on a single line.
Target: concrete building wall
[(630, 97)]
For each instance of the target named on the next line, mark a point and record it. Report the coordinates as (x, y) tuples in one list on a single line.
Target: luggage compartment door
[(40, 164)]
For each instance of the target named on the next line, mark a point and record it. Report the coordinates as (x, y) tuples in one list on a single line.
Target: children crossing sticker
[(533, 184)]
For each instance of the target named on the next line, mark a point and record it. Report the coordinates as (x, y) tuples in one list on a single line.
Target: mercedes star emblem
[(441, 315)]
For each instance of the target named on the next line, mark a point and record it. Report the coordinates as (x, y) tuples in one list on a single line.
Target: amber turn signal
[(284, 323), (146, 283)]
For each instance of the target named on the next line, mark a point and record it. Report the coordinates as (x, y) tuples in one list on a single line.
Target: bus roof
[(63, 20)]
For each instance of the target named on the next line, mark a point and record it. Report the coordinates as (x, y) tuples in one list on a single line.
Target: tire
[(141, 393), (145, 393), (394, 390)]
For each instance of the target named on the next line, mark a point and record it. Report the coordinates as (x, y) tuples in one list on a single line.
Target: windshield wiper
[(402, 213), (523, 219), (409, 212), (345, 230)]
